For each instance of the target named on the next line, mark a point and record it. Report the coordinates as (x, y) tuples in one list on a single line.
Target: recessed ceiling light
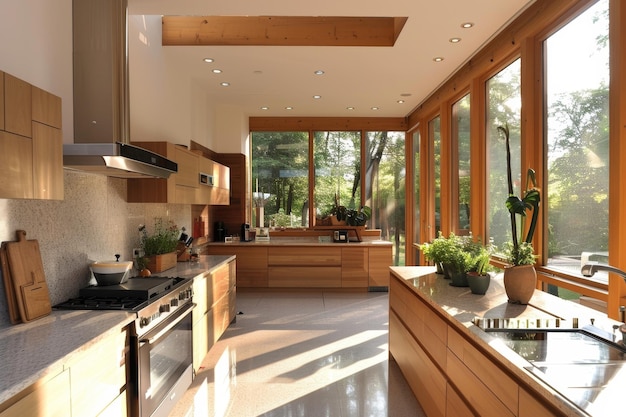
[(224, 84), (455, 40), (350, 108), (400, 101), (265, 108), (405, 95), (467, 25), (374, 108), (438, 59), (288, 108), (317, 97), (319, 72), (208, 60), (217, 71)]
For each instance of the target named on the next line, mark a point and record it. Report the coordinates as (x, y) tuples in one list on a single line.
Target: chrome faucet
[(591, 268)]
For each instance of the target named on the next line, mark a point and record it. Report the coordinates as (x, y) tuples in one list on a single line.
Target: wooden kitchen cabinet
[(214, 296), (218, 191), (17, 106), (16, 166), (47, 144), (31, 142), (251, 263), (354, 267), (305, 266), (310, 267), (98, 375), (380, 259), (48, 399)]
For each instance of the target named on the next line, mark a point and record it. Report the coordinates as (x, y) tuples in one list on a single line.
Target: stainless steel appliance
[(160, 365)]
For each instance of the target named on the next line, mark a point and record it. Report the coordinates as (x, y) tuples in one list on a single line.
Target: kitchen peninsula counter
[(456, 368), (305, 263), (34, 352)]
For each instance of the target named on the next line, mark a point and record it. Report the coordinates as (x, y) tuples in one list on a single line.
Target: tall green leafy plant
[(520, 250)]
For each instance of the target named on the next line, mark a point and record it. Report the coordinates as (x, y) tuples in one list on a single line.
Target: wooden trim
[(282, 30), (617, 169), (303, 124)]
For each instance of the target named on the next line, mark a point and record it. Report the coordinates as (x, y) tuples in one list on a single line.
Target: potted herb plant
[(159, 248), (478, 276), (520, 278)]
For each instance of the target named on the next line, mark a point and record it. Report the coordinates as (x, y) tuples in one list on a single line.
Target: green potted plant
[(438, 251), (159, 247), (520, 277), (478, 276)]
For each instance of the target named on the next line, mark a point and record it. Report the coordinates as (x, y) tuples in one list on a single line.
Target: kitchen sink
[(584, 367)]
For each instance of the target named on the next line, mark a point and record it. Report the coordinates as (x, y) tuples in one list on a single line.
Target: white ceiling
[(362, 77)]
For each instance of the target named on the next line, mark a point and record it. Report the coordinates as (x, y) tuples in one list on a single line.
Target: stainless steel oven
[(164, 368), (161, 366)]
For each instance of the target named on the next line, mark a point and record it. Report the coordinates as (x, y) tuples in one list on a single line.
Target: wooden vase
[(520, 283), (159, 263)]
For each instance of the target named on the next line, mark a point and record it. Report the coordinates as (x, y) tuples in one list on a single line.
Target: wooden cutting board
[(27, 275), (14, 312)]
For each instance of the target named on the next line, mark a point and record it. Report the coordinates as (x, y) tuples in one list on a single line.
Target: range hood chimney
[(101, 109)]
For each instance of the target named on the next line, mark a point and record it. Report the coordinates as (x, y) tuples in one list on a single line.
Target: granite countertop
[(300, 242), (31, 351), (461, 307)]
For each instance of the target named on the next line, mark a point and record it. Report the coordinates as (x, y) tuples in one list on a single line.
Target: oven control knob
[(164, 308), (144, 321), (174, 302)]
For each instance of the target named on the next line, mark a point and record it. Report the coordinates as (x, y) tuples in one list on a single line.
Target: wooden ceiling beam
[(281, 30)]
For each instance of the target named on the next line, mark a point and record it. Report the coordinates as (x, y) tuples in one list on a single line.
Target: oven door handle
[(189, 307)]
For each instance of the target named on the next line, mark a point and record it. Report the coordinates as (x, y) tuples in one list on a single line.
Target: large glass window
[(503, 108), (337, 158), (385, 188), (577, 67), (461, 164), (416, 193), (434, 134), (280, 178)]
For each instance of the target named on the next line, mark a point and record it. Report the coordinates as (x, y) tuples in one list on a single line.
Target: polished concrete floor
[(295, 354)]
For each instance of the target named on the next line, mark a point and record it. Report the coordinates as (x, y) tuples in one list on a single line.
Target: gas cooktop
[(134, 294)]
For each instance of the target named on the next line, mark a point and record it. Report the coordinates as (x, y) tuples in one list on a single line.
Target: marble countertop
[(461, 307), (40, 348)]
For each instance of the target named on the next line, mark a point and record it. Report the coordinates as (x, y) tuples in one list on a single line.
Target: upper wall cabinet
[(192, 184), (31, 142)]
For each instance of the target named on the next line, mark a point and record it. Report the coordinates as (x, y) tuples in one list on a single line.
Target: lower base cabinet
[(214, 295), (49, 399), (93, 383), (449, 375)]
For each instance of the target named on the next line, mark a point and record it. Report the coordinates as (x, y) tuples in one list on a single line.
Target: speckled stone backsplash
[(93, 222)]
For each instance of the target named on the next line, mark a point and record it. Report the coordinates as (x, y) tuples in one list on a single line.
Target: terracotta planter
[(159, 263), (478, 283), (520, 283)]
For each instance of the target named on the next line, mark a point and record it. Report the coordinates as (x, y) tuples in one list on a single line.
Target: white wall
[(36, 46)]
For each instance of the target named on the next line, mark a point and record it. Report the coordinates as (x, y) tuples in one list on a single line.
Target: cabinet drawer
[(354, 267), (187, 174), (47, 162), (303, 256), (489, 375), (304, 277), (425, 379)]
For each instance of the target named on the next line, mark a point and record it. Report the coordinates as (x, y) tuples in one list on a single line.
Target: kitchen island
[(308, 263), (39, 357), (455, 368)]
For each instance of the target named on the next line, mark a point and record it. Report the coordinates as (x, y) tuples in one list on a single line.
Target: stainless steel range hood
[(101, 104), (117, 160)]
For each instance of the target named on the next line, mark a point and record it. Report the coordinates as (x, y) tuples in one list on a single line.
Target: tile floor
[(302, 354)]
